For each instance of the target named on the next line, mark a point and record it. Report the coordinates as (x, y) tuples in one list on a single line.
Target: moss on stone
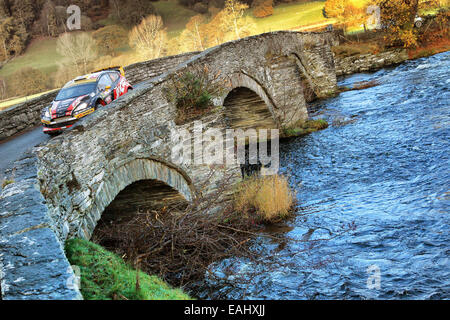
[(105, 276), (305, 128), (7, 182)]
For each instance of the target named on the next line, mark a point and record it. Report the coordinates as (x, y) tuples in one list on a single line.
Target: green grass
[(108, 21), (174, 15), (40, 54), (288, 16), (105, 276)]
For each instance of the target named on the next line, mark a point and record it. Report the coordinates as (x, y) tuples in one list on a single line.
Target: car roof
[(87, 78)]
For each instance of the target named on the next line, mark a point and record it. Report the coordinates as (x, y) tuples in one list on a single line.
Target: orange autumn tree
[(335, 8), (345, 12), (194, 36), (262, 8), (397, 18)]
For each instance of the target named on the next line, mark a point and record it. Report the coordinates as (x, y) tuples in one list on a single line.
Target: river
[(383, 166)]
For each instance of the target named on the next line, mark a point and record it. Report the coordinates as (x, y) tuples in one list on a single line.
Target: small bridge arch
[(246, 98), (133, 172)]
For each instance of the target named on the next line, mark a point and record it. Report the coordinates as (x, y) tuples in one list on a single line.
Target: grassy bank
[(41, 54), (289, 16), (105, 276)]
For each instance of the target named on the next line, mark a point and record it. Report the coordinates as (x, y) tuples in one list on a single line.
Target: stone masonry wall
[(32, 261), (26, 115), (23, 116), (141, 71), (369, 62)]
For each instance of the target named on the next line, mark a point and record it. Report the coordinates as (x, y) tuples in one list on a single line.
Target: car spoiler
[(120, 69)]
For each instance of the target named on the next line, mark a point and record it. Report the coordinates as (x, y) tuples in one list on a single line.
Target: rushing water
[(383, 166)]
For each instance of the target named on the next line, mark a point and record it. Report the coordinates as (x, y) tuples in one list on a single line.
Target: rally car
[(82, 96)]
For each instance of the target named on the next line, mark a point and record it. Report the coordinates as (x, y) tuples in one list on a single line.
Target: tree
[(47, 22), (335, 8), (110, 39), (134, 11), (194, 37), (149, 38), (78, 48), (117, 7), (233, 20), (228, 24), (13, 37), (215, 31), (262, 8), (345, 12), (397, 17)]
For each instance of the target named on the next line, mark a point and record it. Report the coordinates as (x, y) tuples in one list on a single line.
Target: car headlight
[(47, 113)]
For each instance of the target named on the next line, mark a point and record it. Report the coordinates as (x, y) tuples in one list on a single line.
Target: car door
[(105, 88), (115, 78)]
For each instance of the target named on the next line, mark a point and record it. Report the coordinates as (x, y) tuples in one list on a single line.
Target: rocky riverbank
[(369, 62)]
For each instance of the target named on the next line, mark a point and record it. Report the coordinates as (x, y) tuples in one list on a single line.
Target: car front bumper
[(58, 124)]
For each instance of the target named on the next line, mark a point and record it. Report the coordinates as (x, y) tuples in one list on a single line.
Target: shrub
[(192, 94), (268, 198), (105, 276), (110, 39), (132, 12)]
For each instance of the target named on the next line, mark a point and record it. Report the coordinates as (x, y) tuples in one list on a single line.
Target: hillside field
[(41, 53)]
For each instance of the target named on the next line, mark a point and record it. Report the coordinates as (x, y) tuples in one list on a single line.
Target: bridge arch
[(245, 98), (129, 174)]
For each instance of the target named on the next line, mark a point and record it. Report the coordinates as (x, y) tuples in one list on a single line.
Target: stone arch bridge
[(62, 188)]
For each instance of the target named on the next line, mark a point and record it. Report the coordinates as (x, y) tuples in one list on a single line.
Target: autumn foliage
[(345, 12), (397, 18), (262, 8), (149, 38)]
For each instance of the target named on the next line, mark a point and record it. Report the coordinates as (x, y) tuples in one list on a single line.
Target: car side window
[(114, 76), (104, 82)]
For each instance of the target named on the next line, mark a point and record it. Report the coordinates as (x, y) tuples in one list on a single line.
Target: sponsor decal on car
[(85, 113)]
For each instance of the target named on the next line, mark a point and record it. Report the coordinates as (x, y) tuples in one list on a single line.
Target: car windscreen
[(76, 91)]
